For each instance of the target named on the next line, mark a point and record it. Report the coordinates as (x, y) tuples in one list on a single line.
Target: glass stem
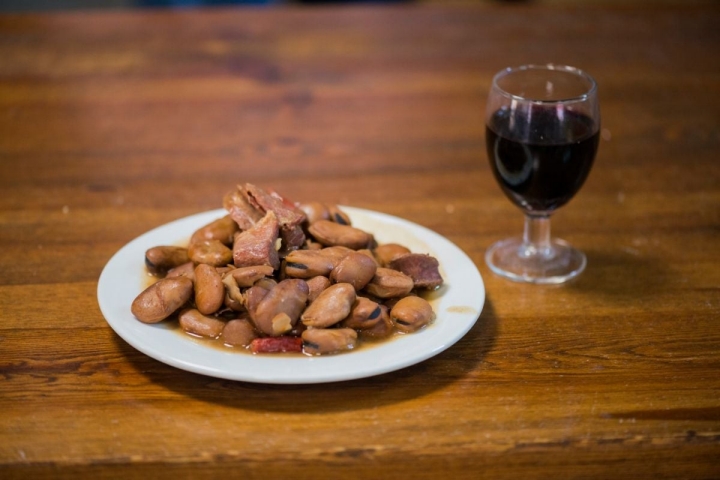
[(536, 236)]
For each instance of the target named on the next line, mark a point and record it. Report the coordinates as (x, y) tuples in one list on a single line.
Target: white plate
[(457, 305)]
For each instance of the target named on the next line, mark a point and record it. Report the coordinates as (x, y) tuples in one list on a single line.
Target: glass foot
[(521, 262)]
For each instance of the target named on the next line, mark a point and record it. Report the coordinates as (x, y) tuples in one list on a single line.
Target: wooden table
[(112, 123)]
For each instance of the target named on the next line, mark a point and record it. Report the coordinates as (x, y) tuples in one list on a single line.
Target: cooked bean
[(266, 283), (311, 244), (210, 252), (307, 264), (389, 283), (336, 253), (297, 329), (331, 306), (162, 299), (356, 269), (187, 269), (223, 270), (160, 259), (281, 307), (222, 229), (382, 328), (315, 211), (234, 299), (388, 252), (193, 321), (239, 332), (338, 216), (255, 294), (317, 341), (233, 303), (330, 233), (209, 289), (247, 276), (316, 286), (411, 313), (364, 314), (368, 252)]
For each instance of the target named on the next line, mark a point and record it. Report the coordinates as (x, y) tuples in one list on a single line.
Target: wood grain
[(116, 122)]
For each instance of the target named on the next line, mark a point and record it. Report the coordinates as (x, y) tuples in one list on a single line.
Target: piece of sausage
[(422, 268), (162, 299), (319, 341), (192, 321), (209, 289), (282, 344), (411, 314), (332, 305)]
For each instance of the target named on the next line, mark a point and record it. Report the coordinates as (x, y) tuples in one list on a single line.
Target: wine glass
[(542, 133)]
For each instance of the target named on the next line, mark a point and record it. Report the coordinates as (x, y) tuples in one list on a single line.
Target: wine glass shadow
[(621, 276), (450, 366)]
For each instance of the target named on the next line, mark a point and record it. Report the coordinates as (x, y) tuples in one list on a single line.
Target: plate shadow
[(450, 366)]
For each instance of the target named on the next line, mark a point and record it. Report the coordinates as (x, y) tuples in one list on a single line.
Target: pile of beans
[(337, 289)]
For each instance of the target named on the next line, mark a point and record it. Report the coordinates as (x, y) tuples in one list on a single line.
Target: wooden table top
[(113, 123)]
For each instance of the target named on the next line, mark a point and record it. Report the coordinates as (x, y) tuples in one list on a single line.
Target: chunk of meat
[(240, 209), (287, 213), (423, 269), (256, 246)]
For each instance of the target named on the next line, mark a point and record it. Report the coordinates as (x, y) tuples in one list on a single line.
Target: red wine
[(542, 163)]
